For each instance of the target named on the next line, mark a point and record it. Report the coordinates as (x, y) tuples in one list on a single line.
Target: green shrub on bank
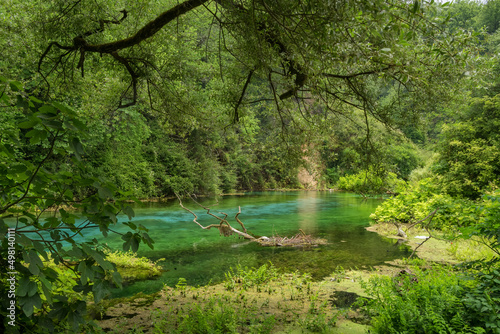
[(369, 182), (419, 200), (250, 277), (435, 300), (128, 264), (483, 302)]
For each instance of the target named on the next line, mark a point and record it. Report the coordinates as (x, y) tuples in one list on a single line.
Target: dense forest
[(107, 102)]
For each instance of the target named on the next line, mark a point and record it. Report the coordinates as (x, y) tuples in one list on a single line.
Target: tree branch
[(236, 115), (149, 30), (224, 228)]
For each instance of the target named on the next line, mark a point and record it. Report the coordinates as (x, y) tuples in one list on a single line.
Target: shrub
[(371, 183), (483, 302), (417, 201), (419, 301), (132, 267)]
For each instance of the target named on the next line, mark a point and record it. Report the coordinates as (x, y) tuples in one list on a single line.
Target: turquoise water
[(203, 256)]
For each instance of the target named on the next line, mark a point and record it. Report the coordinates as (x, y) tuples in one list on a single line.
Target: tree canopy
[(331, 51)]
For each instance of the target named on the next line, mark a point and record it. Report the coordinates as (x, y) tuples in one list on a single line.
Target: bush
[(371, 183), (132, 267), (419, 301), (417, 201), (483, 302)]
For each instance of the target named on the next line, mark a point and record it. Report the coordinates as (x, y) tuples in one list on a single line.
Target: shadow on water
[(202, 256)]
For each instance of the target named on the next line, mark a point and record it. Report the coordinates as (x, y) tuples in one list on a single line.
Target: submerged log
[(225, 229)]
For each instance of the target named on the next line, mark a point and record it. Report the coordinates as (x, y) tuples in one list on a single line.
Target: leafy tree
[(489, 16), (464, 14), (470, 150), (328, 49), (35, 224)]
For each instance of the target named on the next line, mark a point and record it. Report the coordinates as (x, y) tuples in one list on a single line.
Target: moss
[(132, 267)]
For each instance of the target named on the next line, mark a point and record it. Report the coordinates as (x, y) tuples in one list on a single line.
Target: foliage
[(371, 183), (52, 180), (250, 277), (420, 301), (131, 266), (473, 249), (488, 226), (483, 302), (110, 102), (469, 149), (215, 316), (418, 200)]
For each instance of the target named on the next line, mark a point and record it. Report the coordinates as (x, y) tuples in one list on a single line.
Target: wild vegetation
[(107, 102)]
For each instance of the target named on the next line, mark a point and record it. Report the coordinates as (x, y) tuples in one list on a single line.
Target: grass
[(251, 300), (473, 249)]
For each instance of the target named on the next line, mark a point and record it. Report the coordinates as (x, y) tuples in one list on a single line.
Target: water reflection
[(307, 207)]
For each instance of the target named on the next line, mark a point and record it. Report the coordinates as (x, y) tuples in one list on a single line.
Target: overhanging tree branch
[(150, 29)]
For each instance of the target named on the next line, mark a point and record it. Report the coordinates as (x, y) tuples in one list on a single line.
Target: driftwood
[(299, 240), (225, 229)]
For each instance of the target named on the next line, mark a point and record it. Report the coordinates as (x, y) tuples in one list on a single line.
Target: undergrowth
[(434, 299)]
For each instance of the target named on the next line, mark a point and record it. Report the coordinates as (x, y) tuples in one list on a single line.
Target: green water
[(203, 256)]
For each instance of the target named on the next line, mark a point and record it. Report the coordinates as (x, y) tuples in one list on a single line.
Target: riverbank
[(265, 301), (256, 301)]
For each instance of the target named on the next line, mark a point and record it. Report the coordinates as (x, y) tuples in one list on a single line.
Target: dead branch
[(224, 228), (422, 220), (239, 221), (300, 240), (426, 226)]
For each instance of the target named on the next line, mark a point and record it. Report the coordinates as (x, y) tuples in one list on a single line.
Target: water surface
[(203, 256)]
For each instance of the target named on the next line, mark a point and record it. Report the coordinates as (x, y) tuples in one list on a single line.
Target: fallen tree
[(225, 229)]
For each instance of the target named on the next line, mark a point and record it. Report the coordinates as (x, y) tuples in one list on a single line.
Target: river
[(203, 256)]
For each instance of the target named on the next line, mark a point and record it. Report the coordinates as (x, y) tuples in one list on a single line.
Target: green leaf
[(4, 98), (416, 6), (148, 240), (106, 265), (47, 112), (104, 192), (47, 292), (34, 262), (64, 108), (131, 225), (129, 212), (127, 237), (29, 303), (34, 99), (16, 169), (86, 273), (31, 122), (100, 290), (23, 286), (56, 125), (76, 146), (117, 279), (15, 86), (31, 289), (40, 249), (37, 136)]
